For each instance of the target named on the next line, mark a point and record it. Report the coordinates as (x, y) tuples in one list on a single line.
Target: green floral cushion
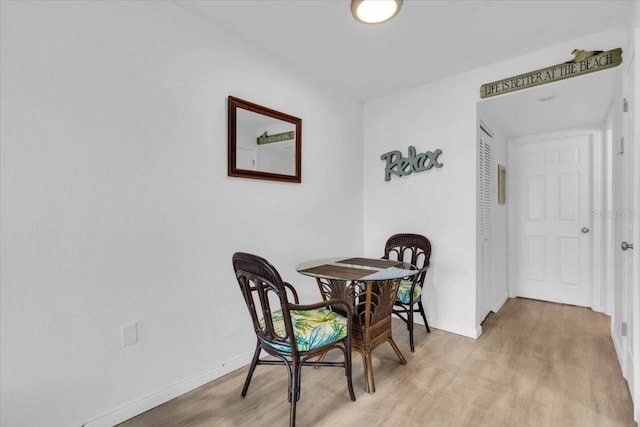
[(312, 328), (404, 292)]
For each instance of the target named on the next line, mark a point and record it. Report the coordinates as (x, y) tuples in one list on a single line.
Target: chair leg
[(410, 327), (298, 381), (294, 390), (292, 413), (347, 368), (320, 359), (409, 319), (291, 381), (424, 316), (398, 312), (252, 368)]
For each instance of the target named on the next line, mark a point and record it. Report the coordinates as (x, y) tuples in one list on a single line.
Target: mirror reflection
[(263, 143)]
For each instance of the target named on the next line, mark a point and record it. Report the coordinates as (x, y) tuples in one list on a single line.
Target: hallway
[(537, 364)]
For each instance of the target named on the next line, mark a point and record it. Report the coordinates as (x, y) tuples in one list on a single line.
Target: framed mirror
[(263, 143)]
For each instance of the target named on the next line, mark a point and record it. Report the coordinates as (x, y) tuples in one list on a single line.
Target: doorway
[(567, 111), (581, 103)]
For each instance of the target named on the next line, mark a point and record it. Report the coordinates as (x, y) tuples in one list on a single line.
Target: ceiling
[(427, 41), (430, 40)]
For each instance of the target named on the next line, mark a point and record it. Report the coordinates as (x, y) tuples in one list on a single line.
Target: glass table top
[(350, 268)]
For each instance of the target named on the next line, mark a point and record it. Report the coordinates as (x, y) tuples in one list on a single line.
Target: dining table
[(370, 286)]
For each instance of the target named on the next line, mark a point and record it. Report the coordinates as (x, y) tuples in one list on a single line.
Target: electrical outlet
[(129, 334)]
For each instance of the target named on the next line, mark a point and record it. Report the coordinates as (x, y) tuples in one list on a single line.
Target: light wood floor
[(537, 364)]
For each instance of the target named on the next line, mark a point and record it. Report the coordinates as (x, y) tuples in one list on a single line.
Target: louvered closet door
[(552, 193), (485, 197)]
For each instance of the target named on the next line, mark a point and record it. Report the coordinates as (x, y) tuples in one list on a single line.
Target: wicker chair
[(293, 334), (415, 249)]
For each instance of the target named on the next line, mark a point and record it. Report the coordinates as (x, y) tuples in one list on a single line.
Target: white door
[(245, 158), (633, 231), (551, 192), (624, 215), (623, 298), (485, 229)]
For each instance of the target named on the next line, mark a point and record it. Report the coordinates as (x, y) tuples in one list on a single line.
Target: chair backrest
[(412, 248), (265, 293)]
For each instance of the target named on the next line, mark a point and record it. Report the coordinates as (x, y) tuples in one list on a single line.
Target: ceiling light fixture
[(375, 11)]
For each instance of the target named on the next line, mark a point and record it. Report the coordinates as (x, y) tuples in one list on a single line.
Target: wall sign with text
[(583, 62), (401, 166)]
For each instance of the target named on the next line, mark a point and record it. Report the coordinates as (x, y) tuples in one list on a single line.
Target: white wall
[(441, 203), (116, 205)]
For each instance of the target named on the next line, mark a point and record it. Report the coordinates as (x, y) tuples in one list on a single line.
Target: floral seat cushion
[(404, 292), (312, 328)]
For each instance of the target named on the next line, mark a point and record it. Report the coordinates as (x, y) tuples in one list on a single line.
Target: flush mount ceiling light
[(375, 11)]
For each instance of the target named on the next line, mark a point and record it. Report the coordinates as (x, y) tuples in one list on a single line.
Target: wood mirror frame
[(253, 153)]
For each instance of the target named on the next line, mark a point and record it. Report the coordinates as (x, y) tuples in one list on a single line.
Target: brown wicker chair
[(415, 249), (293, 334)]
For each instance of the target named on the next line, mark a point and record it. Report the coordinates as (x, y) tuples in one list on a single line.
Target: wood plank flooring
[(537, 364)]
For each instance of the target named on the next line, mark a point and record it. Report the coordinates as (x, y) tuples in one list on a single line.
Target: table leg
[(372, 306), (397, 350), (367, 363)]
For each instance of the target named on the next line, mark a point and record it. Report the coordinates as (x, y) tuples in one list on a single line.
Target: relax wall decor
[(401, 166), (584, 62)]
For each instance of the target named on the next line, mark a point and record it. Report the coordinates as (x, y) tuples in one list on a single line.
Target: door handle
[(585, 230), (625, 246)]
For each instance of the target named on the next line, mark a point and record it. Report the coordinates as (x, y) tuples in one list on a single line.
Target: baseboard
[(456, 329), (617, 346), (630, 376), (137, 407), (496, 308)]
